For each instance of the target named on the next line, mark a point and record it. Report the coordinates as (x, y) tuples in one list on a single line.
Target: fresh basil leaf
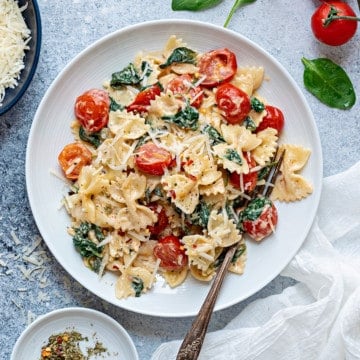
[(127, 76), (180, 55), (329, 83), (237, 4), (187, 118), (193, 5)]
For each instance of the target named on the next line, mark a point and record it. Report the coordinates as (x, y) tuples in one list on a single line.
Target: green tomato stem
[(333, 15)]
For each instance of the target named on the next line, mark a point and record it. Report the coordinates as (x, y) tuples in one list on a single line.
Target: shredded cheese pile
[(14, 39)]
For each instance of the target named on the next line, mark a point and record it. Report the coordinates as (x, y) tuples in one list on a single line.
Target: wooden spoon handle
[(193, 341)]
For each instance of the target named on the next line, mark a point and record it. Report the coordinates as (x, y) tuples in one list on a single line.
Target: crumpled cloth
[(319, 316)]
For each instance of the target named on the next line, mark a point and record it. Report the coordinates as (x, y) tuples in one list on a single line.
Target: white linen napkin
[(317, 318)]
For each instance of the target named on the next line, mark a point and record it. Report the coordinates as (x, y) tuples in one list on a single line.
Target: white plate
[(92, 324), (51, 131)]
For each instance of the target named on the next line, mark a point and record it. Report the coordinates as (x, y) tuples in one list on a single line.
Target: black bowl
[(32, 18)]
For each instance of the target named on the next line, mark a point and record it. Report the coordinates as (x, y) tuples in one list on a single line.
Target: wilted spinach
[(138, 286), (214, 136), (180, 55), (92, 138), (233, 155), (127, 76), (329, 83), (186, 118)]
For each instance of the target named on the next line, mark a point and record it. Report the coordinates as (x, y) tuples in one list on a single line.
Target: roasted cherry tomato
[(334, 23), (182, 85), (162, 221), (92, 109), (218, 66), (249, 180), (274, 118), (72, 158), (152, 159), (234, 103), (171, 253), (143, 99), (259, 218)]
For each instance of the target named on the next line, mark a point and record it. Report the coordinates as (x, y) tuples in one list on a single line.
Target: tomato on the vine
[(72, 158), (143, 99), (259, 218), (218, 66), (246, 181), (171, 253), (152, 159), (92, 109), (334, 23), (274, 118), (233, 102), (182, 85)]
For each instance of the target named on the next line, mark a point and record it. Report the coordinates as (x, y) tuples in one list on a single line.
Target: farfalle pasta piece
[(238, 266), (175, 278), (244, 81), (164, 105), (202, 275), (127, 125), (291, 186), (222, 229), (265, 151), (256, 72), (241, 138), (200, 249)]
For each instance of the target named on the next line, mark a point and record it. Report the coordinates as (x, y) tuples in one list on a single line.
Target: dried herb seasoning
[(66, 346)]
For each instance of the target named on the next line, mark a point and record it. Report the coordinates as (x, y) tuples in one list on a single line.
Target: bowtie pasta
[(165, 158)]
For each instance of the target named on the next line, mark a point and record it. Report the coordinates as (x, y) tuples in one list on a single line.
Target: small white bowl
[(92, 324)]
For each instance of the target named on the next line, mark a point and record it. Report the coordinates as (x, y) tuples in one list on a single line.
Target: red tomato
[(72, 158), (234, 103), (143, 99), (329, 26), (183, 85), (218, 66), (249, 180), (162, 221), (92, 109), (274, 118), (171, 253), (152, 159), (259, 218)]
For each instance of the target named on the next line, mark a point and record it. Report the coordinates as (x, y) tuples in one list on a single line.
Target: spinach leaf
[(115, 106), (180, 55), (214, 135), (237, 4), (200, 215), (249, 123), (255, 208), (187, 118), (233, 155), (127, 76), (86, 247), (257, 105), (92, 138), (138, 285), (329, 83), (193, 5)]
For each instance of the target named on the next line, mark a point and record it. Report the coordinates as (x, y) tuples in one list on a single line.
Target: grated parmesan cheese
[(14, 39)]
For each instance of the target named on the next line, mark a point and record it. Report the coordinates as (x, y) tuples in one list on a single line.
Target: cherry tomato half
[(182, 85), (328, 26), (72, 158), (162, 221), (171, 253), (249, 180), (274, 118), (92, 109), (143, 99), (152, 159), (218, 66), (234, 103), (259, 218)]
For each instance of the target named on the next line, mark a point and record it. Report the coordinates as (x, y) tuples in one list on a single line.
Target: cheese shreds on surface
[(14, 39)]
